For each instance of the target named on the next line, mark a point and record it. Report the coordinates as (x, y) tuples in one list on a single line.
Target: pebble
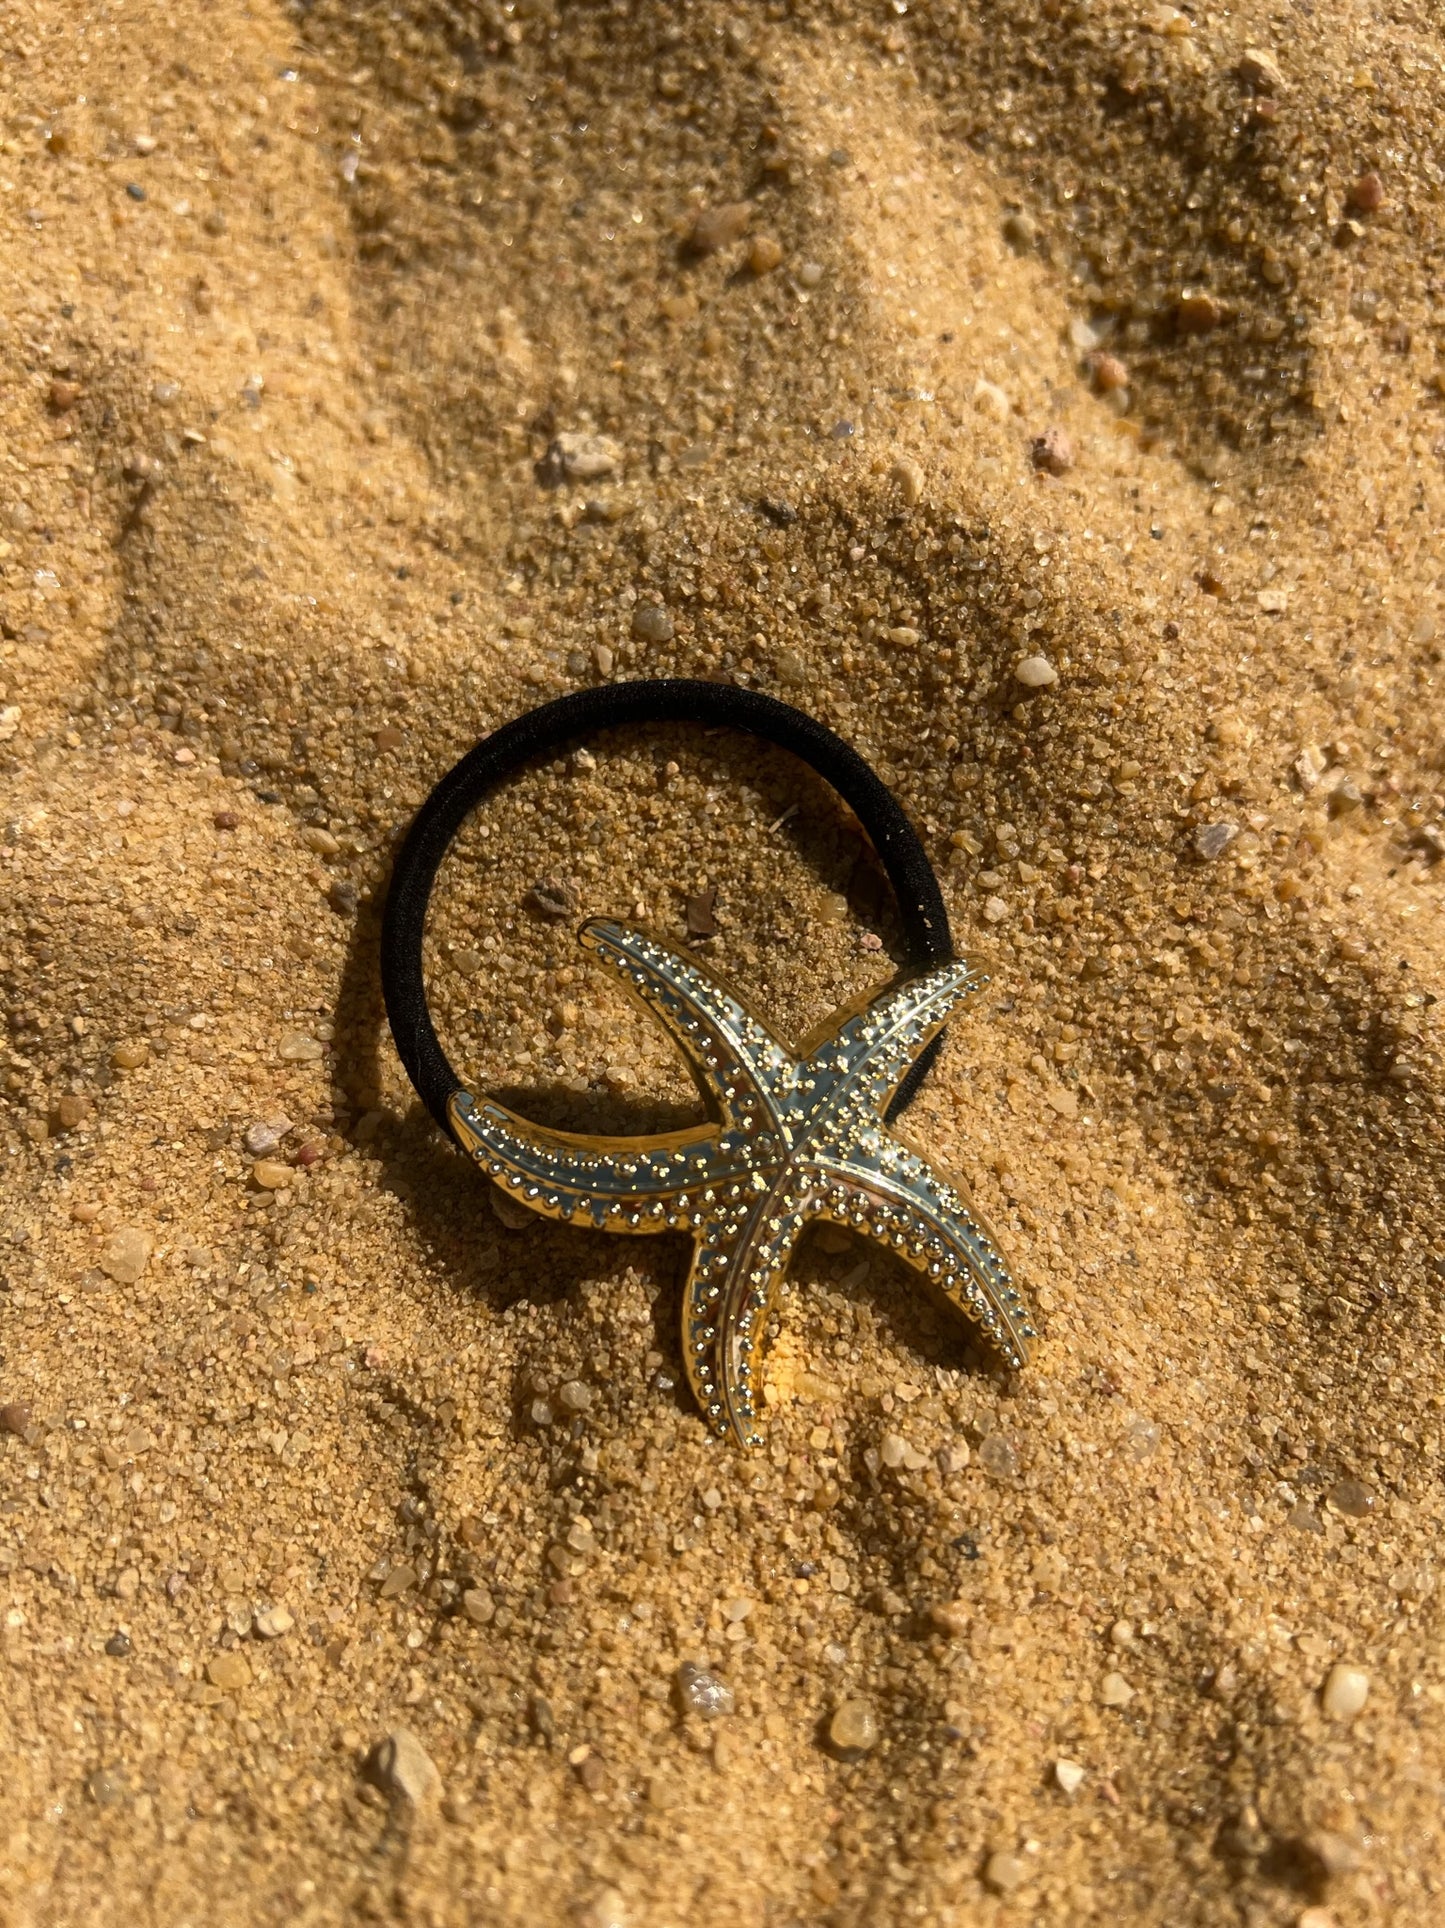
[(125, 1254), (1115, 1691), (652, 624), (1351, 1497), (1345, 1691), (907, 478), (1035, 673), (1197, 314), (272, 1622), (1069, 1776), (297, 1048), (997, 1457), (553, 899), (401, 1579), (105, 1787), (118, 1646), (401, 1766), (64, 395), (810, 275), (511, 1211), (604, 1910), (230, 1671), (271, 1175), (703, 1692), (990, 399), (1261, 71), (951, 1617), (1020, 230), (853, 1729), (264, 1137), (130, 1057), (577, 457), (574, 1396), (1110, 374), (1003, 1872), (765, 254), (1121, 1634), (1211, 840), (719, 227), (478, 1605), (16, 1419), (1053, 451), (1367, 195)]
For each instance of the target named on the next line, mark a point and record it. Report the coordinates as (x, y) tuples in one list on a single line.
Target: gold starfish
[(797, 1138)]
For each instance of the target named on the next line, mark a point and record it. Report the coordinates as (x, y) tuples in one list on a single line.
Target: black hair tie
[(794, 1136), (667, 700)]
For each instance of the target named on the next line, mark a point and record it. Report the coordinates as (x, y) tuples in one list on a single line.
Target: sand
[(1048, 396)]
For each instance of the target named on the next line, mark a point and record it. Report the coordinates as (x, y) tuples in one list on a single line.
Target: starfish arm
[(882, 1189), (856, 1066), (616, 1184), (742, 1065), (734, 1281)]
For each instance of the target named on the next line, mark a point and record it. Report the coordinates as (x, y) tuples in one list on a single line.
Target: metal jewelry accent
[(796, 1138)]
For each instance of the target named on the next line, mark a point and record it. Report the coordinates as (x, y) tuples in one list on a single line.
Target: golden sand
[(1046, 395)]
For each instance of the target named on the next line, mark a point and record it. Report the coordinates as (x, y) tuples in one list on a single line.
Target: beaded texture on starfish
[(796, 1138)]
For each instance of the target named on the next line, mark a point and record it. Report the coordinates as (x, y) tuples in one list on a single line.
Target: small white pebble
[(1069, 1776), (1035, 673), (1121, 1634), (1115, 1691), (1345, 1691), (990, 399), (892, 1449), (272, 1622)]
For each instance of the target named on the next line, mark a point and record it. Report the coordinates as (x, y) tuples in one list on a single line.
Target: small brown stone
[(552, 899), (701, 921), (130, 1057), (1053, 451), (229, 1671), (1003, 1872), (951, 1617), (719, 227), (1367, 195), (16, 1419), (64, 395), (1109, 374), (270, 1174), (1197, 313), (389, 737), (765, 254), (73, 1110), (225, 820)]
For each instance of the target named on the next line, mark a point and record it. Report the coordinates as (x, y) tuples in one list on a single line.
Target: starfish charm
[(797, 1139)]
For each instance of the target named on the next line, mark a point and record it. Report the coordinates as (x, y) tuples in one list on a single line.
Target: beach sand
[(1048, 396)]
